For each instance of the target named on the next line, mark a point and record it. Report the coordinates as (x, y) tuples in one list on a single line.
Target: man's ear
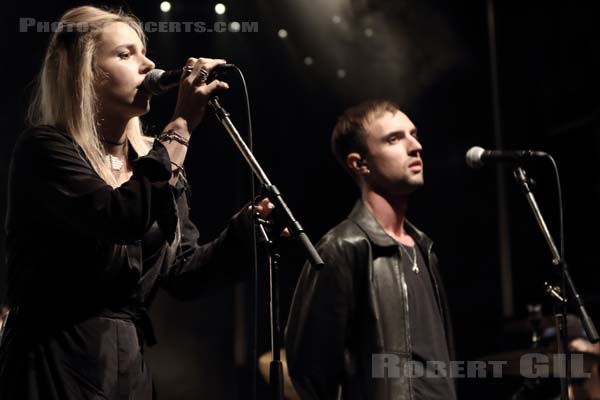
[(357, 164)]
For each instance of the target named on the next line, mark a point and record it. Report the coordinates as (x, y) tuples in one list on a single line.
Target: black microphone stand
[(274, 195), (283, 213), (558, 294), (275, 367)]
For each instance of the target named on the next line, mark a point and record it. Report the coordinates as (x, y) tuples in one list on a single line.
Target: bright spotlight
[(282, 33), (165, 6), (220, 8), (308, 61), (341, 73)]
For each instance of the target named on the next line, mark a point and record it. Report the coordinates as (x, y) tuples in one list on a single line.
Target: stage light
[(341, 73), (282, 33), (165, 6), (220, 8), (308, 61), (234, 26)]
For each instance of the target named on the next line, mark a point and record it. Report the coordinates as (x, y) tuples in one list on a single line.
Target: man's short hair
[(349, 133)]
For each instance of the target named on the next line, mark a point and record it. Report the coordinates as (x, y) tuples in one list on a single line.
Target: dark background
[(432, 57)]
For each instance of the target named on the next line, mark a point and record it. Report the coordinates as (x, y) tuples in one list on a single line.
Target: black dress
[(84, 263)]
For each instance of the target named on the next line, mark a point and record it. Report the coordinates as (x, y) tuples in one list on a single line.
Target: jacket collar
[(361, 216)]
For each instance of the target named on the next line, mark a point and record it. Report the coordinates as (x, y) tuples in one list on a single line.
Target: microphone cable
[(255, 272), (561, 232)]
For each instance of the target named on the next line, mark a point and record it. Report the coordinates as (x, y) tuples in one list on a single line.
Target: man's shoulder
[(343, 248), (345, 234)]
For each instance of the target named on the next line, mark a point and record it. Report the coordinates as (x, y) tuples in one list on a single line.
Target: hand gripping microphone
[(159, 81)]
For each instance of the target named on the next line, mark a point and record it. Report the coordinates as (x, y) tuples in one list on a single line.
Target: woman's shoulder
[(43, 135), (41, 140), (43, 132)]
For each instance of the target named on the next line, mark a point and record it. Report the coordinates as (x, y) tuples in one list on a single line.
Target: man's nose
[(415, 145)]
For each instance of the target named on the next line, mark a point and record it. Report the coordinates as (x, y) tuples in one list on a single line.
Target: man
[(377, 307)]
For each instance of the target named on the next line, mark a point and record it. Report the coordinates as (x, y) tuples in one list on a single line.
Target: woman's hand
[(264, 209), (194, 92)]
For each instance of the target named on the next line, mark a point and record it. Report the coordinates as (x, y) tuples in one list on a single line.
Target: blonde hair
[(66, 96)]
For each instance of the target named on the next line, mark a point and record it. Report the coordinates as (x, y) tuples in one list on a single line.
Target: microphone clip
[(523, 180)]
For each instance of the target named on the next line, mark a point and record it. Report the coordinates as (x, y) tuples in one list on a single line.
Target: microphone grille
[(152, 81), (473, 157)]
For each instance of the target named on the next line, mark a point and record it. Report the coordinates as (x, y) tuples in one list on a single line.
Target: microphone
[(159, 81), (477, 157)]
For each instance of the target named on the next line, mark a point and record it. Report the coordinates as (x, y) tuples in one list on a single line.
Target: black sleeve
[(54, 171), (319, 322), (199, 269)]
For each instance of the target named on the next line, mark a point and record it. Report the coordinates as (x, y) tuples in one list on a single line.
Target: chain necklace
[(413, 259)]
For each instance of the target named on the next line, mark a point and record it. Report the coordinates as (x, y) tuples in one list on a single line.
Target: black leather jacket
[(340, 318)]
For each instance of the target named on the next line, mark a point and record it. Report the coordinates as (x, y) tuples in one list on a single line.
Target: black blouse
[(79, 250)]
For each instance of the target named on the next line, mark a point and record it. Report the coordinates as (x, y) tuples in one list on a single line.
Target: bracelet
[(171, 135)]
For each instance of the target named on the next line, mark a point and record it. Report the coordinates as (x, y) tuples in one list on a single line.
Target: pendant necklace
[(413, 259)]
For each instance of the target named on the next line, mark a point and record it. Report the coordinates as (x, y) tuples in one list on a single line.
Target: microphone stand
[(558, 294), (283, 213), (274, 195), (275, 367)]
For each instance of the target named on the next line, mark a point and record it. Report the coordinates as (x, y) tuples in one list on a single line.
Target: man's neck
[(390, 212)]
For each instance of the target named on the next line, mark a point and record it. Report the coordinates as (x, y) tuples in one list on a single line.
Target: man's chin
[(401, 189), (416, 182), (412, 186)]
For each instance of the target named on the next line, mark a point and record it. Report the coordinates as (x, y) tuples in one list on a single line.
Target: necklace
[(114, 162), (413, 259)]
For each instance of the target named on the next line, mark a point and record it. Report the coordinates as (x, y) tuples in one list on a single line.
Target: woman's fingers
[(264, 208), (202, 67), (214, 86), (194, 91)]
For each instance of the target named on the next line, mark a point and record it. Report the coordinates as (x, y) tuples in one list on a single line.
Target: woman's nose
[(148, 65)]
